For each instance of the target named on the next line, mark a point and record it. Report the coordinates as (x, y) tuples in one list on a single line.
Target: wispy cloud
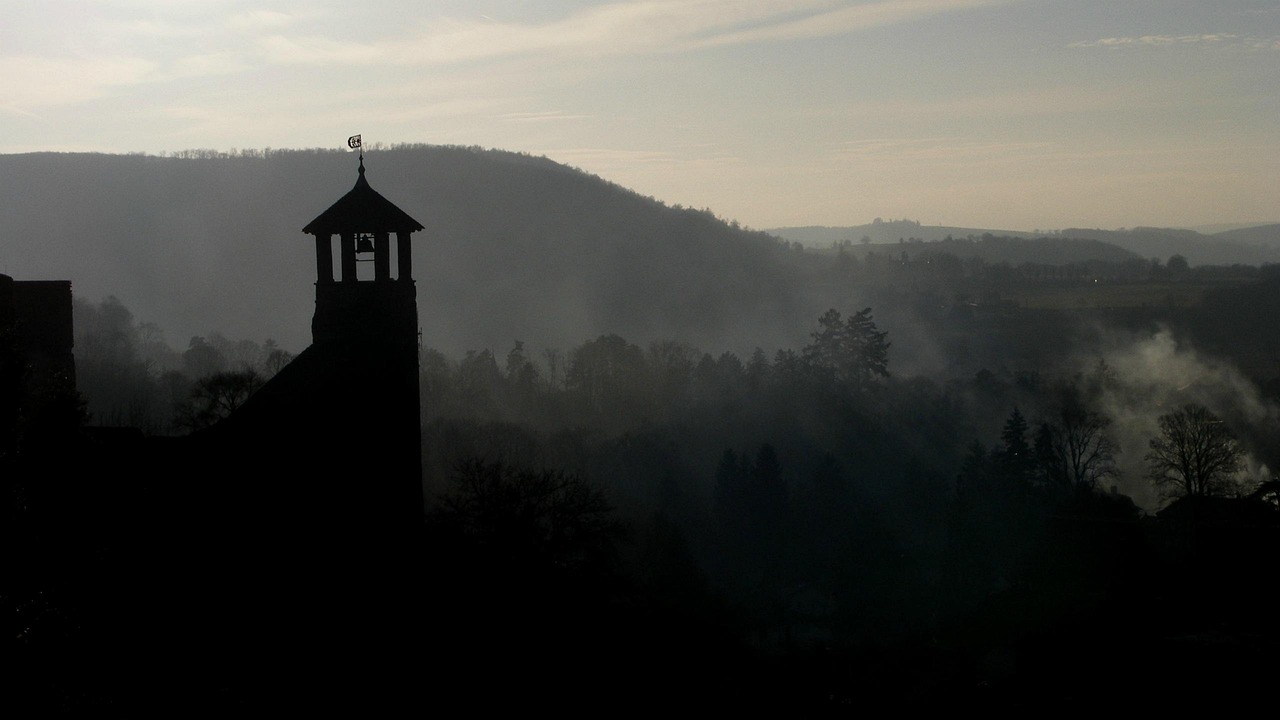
[(138, 45), (611, 160), (847, 19), (1040, 101), (319, 50), (960, 148), (42, 82), (620, 28), (150, 29), (1203, 39), (548, 116), (207, 64), (254, 20), (938, 150), (208, 27), (199, 41)]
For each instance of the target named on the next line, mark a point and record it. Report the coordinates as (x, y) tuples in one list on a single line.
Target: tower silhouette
[(334, 438), (379, 310), (320, 471), (366, 330)]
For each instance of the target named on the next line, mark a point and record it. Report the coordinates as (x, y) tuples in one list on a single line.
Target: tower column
[(381, 256), (348, 257), (404, 257), (324, 257)]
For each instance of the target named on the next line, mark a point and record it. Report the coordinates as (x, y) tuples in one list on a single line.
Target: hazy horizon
[(1206, 229), (1010, 114)]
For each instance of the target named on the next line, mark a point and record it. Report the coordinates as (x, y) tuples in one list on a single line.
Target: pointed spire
[(362, 209)]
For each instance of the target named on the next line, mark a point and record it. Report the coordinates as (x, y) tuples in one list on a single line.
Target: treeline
[(268, 153), (662, 504), (129, 376), (825, 497), (880, 533), (1250, 246), (1000, 260), (774, 484)]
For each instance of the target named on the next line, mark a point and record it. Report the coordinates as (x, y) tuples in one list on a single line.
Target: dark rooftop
[(362, 209)]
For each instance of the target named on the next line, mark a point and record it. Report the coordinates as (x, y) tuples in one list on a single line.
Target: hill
[(515, 247), (1198, 249), (1263, 235), (883, 231), (1253, 245), (994, 250)]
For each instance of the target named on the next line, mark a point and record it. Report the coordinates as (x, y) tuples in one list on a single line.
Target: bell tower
[(363, 360), (365, 303), (318, 510)]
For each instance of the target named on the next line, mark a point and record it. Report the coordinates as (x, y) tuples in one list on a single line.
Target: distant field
[(1107, 295)]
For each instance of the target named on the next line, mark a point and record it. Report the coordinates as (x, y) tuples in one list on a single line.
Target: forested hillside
[(692, 459), (1246, 246), (515, 247)]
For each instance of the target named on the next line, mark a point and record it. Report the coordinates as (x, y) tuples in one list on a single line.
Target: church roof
[(362, 209)]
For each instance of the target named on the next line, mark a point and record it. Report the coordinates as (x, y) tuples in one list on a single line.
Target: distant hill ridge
[(1265, 235), (515, 247), (1254, 245), (882, 231), (993, 249)]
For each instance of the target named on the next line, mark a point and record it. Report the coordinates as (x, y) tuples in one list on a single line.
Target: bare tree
[(1075, 449), (545, 518), (215, 397), (1195, 455)]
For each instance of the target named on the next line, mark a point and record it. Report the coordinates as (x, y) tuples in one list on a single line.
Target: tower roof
[(362, 209)]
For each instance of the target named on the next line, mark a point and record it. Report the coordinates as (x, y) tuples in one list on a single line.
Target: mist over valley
[(818, 358), (202, 250), (674, 438)]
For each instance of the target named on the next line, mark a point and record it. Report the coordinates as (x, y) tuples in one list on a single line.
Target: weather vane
[(353, 142)]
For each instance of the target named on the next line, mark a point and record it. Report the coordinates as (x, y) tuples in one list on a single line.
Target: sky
[(1004, 114)]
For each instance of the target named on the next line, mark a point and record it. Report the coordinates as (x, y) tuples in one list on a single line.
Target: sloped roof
[(362, 209)]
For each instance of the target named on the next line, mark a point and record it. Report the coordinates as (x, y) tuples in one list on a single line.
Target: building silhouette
[(346, 410), (319, 472), (37, 369)]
